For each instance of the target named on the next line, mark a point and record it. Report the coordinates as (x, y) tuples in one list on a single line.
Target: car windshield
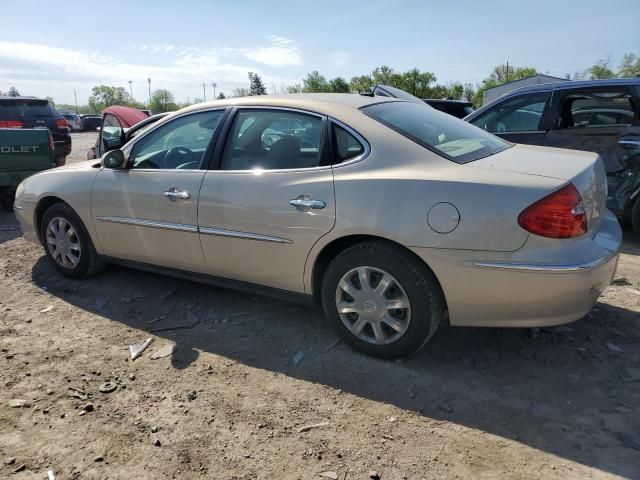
[(439, 132)]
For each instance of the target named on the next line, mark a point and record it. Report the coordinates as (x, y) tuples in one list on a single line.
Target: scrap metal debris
[(163, 352), (108, 387), (306, 428), (47, 309), (137, 348), (19, 403), (77, 393)]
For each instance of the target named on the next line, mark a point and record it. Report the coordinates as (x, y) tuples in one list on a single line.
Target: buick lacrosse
[(393, 216)]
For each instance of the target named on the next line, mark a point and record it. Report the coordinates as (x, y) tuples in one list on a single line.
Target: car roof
[(319, 102), (20, 97), (547, 87)]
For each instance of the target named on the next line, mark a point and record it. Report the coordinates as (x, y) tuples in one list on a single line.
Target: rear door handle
[(173, 193), (304, 203)]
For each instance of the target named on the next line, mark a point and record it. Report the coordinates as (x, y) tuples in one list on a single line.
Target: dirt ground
[(232, 399)]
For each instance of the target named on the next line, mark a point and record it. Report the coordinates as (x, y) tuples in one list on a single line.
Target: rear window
[(439, 132), (21, 109)]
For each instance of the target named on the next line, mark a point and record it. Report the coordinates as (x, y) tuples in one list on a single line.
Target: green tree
[(256, 87), (360, 84), (297, 88), (50, 100), (104, 96), (241, 92), (339, 85), (499, 75), (162, 101), (601, 69), (13, 92), (220, 96), (630, 66), (315, 83)]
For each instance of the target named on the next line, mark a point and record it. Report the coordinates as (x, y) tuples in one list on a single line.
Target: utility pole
[(75, 98), (204, 91), (507, 77), (130, 91), (149, 81), (214, 85)]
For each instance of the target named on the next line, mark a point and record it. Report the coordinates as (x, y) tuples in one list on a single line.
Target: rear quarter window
[(437, 131)]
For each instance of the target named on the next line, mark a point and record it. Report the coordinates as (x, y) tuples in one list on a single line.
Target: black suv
[(31, 112), (601, 116), (457, 108)]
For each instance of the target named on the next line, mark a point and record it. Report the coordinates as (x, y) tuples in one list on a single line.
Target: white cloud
[(57, 71), (281, 52)]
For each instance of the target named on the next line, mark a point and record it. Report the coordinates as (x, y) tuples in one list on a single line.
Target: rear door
[(148, 211), (517, 119), (269, 199)]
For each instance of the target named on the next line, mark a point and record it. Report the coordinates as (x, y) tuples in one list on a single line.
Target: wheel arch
[(338, 245)]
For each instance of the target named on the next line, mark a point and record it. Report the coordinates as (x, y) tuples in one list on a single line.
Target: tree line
[(422, 84)]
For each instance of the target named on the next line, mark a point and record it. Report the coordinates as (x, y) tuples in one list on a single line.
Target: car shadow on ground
[(558, 390)]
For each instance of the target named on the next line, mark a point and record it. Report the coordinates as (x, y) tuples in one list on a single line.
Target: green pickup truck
[(23, 152)]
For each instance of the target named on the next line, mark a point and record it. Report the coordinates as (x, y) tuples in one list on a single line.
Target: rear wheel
[(381, 300), (67, 242), (60, 161)]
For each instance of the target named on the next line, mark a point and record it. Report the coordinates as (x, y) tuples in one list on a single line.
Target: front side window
[(596, 109), (519, 114), (111, 132), (273, 140), (178, 144), (437, 131)]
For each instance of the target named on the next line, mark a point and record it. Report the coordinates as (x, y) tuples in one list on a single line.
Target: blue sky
[(58, 47)]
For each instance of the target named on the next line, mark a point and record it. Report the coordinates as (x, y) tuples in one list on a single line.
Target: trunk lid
[(584, 170)]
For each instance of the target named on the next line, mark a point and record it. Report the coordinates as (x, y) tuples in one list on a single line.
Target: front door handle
[(303, 203), (173, 194)]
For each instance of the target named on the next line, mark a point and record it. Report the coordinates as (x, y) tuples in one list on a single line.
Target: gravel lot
[(230, 402)]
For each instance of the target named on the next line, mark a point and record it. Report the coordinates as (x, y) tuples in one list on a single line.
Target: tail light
[(62, 123), (10, 124), (559, 215)]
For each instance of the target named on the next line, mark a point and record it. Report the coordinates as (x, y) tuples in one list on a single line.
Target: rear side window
[(21, 109), (596, 109), (345, 145), (519, 114), (441, 133)]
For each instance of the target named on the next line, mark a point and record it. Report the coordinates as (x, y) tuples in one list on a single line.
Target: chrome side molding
[(180, 227), (220, 232), (545, 268)]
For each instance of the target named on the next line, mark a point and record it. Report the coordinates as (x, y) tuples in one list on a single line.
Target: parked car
[(22, 153), (91, 122), (104, 142), (74, 122), (601, 116), (457, 108), (395, 218), (31, 112)]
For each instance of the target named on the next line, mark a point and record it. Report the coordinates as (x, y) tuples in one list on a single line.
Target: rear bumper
[(493, 290)]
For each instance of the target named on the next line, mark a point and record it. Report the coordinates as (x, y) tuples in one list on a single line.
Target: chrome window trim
[(275, 107), (221, 232), (179, 227), (546, 268)]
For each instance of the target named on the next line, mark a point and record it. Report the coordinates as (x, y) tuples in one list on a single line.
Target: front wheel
[(67, 242), (381, 300)]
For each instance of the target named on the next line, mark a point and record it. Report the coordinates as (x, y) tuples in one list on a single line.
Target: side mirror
[(113, 159)]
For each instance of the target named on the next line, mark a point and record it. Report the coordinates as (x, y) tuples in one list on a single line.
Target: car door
[(147, 212), (111, 134), (270, 198), (517, 119)]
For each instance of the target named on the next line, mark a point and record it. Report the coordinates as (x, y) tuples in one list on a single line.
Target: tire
[(412, 287), (7, 198), (635, 216), (82, 260), (61, 160)]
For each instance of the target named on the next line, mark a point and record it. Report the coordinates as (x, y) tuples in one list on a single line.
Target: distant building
[(492, 93)]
